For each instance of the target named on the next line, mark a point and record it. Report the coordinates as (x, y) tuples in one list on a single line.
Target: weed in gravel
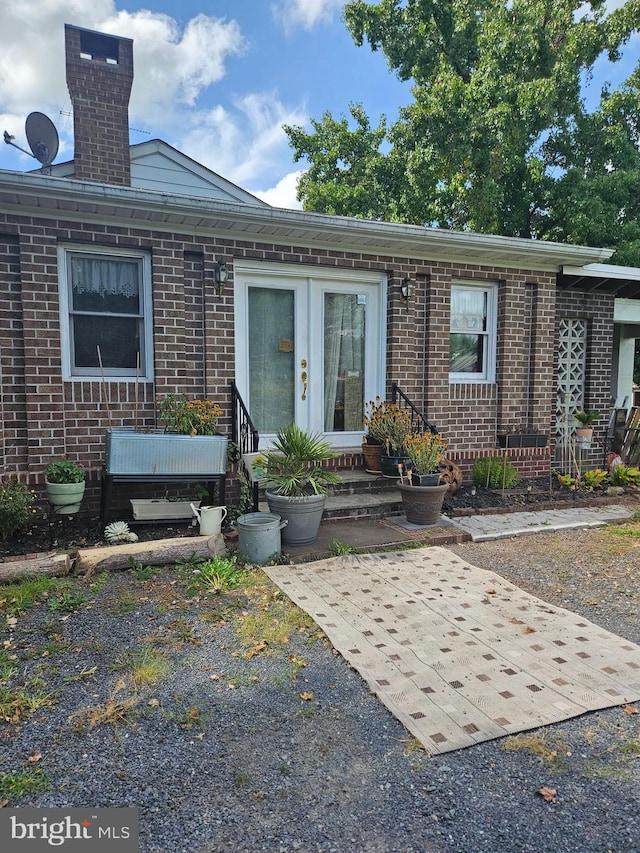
[(545, 746), (114, 712), (273, 618), (18, 703), (8, 663), (144, 667), (214, 576), (16, 783), (66, 602), (338, 548)]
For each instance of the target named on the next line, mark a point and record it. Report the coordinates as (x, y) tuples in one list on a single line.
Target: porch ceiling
[(621, 282), (46, 196)]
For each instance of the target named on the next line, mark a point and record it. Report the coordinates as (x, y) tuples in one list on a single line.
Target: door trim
[(297, 274)]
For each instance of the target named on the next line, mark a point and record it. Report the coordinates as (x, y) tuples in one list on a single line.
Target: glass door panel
[(344, 357), (271, 314)]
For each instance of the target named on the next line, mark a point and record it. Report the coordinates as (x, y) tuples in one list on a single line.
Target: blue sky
[(216, 79)]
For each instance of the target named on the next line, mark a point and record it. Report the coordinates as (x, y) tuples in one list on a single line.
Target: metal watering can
[(210, 518)]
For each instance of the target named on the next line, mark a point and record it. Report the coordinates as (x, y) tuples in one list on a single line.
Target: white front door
[(310, 348)]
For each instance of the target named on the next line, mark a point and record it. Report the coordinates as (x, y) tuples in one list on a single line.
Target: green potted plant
[(423, 495), (584, 433), (65, 484), (297, 483)]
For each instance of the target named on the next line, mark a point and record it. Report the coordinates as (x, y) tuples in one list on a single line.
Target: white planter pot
[(158, 509)]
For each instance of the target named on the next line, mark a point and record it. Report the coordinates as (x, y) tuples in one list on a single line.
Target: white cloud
[(305, 13), (284, 192), (172, 66), (246, 146), (177, 94)]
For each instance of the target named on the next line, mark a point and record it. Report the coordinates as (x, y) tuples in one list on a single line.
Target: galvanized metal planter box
[(158, 453)]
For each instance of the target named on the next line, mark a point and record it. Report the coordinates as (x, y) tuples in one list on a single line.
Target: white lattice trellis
[(572, 367)]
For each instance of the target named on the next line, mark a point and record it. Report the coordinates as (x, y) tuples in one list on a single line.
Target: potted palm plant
[(584, 432), (65, 484), (422, 494), (297, 483)]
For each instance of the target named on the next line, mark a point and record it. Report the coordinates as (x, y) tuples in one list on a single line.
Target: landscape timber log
[(48, 565), (158, 552)]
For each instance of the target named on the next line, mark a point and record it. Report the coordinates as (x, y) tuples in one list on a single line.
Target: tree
[(497, 138)]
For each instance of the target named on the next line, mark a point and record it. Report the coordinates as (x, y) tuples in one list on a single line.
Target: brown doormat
[(458, 654)]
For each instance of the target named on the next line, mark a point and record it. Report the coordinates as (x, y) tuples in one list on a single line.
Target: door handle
[(304, 377)]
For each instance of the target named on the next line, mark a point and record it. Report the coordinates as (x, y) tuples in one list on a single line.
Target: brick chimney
[(99, 78)]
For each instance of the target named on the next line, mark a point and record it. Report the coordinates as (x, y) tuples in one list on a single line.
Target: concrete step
[(359, 496)]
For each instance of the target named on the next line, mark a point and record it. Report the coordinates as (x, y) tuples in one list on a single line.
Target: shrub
[(495, 472), (16, 506)]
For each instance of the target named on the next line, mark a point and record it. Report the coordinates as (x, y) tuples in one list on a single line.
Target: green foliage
[(215, 576), (293, 465), (425, 452), (594, 479), (495, 472), (338, 549), (586, 418), (16, 783), (498, 138), (64, 471), (16, 506), (188, 417), (624, 475)]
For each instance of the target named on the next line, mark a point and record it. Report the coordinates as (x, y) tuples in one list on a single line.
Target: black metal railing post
[(419, 423), (245, 438)]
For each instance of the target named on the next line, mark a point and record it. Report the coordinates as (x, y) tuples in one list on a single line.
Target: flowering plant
[(188, 417), (387, 423), (64, 471), (425, 452)]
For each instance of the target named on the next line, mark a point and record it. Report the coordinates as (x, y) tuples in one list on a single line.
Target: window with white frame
[(105, 300), (472, 339)]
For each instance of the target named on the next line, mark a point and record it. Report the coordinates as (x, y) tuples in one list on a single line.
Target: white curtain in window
[(104, 277), (343, 346)]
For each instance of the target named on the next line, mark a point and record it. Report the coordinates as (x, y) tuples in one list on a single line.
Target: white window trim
[(488, 375), (146, 369)]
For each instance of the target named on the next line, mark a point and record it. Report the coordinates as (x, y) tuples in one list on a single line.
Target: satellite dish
[(42, 138)]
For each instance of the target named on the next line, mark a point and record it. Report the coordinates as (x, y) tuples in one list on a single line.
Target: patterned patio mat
[(458, 654)]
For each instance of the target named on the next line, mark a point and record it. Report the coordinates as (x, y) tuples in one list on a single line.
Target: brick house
[(111, 297)]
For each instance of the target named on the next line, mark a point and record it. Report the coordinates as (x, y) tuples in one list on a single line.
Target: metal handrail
[(419, 423), (245, 438)]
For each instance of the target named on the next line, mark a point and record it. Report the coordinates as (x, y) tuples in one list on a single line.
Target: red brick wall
[(195, 348), (99, 93)]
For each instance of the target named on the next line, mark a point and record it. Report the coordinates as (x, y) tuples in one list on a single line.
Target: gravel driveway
[(231, 724)]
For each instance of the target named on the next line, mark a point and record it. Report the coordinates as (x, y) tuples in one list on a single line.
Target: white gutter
[(44, 195)]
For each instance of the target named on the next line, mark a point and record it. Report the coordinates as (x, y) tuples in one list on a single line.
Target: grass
[(143, 668), (214, 577), (16, 783), (115, 712), (543, 745), (16, 598), (18, 703), (274, 619)]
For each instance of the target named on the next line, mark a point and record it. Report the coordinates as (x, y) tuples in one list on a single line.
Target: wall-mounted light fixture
[(220, 274), (406, 288)]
